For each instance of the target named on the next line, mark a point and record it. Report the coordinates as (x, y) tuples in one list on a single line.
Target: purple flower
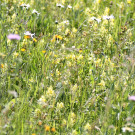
[(13, 37), (131, 98)]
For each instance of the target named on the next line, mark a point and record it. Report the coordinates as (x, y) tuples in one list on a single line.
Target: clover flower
[(13, 37), (131, 98), (60, 105)]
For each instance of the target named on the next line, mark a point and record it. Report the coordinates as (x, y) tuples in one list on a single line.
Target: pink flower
[(131, 98), (13, 37)]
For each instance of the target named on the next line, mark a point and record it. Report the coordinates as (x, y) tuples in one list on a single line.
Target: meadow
[(67, 67)]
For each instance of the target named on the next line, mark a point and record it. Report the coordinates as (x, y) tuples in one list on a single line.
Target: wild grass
[(72, 73)]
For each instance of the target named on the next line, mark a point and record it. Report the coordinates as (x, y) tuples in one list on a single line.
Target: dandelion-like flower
[(13, 37)]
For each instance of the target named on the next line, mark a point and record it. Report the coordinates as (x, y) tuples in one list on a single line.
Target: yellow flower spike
[(44, 51), (34, 40), (23, 49), (27, 37)]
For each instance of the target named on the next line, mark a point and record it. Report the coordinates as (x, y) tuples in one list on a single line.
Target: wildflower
[(44, 51), (50, 92), (47, 128), (131, 98), (60, 105), (74, 132), (74, 88), (28, 35), (64, 122), (34, 40), (107, 10), (2, 65), (33, 134), (35, 12), (129, 1), (74, 30), (102, 83), (69, 6), (15, 54), (87, 127), (37, 112), (80, 50), (53, 129), (124, 129), (56, 38), (57, 72), (40, 122), (66, 22), (42, 100), (108, 17), (23, 50), (98, 1), (59, 5), (25, 6), (96, 19), (13, 37)]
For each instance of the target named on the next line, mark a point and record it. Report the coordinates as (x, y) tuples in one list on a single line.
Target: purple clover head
[(13, 37), (131, 98)]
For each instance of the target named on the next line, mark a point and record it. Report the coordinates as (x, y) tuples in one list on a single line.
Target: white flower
[(66, 22), (124, 129), (25, 6), (27, 33), (35, 11), (59, 5), (69, 6), (108, 17), (96, 19)]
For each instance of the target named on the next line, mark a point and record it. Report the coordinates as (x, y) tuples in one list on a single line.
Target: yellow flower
[(102, 83), (56, 38), (47, 128), (50, 92), (34, 40), (80, 50), (53, 129), (44, 51), (60, 105), (27, 36), (33, 134), (39, 122), (129, 1), (87, 127), (23, 50), (15, 54), (2, 65)]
